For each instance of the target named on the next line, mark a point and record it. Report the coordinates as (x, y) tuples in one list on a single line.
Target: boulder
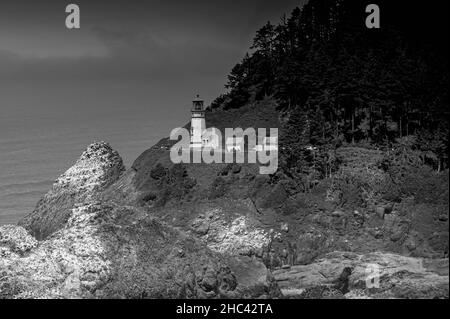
[(238, 235), (380, 211), (16, 240), (284, 227), (375, 275)]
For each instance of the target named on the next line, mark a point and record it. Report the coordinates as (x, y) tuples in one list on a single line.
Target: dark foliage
[(219, 188), (339, 82), (173, 183)]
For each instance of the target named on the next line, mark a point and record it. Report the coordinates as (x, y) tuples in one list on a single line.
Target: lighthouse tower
[(197, 122)]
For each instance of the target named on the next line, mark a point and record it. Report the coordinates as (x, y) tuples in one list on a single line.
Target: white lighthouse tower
[(197, 122)]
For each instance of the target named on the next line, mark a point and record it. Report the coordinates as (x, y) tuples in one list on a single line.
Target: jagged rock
[(284, 227), (274, 197), (338, 214), (98, 167), (383, 210), (254, 279), (236, 169), (236, 237), (309, 246), (375, 232), (111, 251), (15, 240), (380, 210), (201, 225), (396, 227), (322, 292), (399, 276)]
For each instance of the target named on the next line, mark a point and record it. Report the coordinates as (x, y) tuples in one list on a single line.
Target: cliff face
[(98, 167), (95, 248), (235, 210), (216, 230), (110, 251)]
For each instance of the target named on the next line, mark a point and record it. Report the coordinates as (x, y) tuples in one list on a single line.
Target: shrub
[(409, 176), (236, 168), (358, 185), (158, 172), (224, 171), (150, 197), (172, 183), (427, 186), (275, 198), (218, 188)]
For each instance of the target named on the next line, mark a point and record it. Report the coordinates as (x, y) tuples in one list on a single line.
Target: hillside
[(377, 178)]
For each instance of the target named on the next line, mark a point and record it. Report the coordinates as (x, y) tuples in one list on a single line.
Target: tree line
[(339, 82)]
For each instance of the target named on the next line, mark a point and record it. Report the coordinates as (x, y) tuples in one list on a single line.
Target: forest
[(336, 82)]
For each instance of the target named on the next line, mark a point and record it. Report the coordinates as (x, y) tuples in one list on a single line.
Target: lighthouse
[(197, 122)]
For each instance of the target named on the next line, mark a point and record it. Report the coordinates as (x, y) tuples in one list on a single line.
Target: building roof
[(197, 99)]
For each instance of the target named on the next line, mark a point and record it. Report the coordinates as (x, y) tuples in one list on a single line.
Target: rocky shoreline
[(96, 249), (86, 240)]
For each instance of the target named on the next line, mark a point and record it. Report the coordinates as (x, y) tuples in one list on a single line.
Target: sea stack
[(98, 167)]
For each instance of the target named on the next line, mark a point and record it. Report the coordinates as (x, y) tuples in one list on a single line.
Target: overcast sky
[(154, 54)]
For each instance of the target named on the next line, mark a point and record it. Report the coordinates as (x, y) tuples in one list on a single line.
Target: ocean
[(36, 148), (45, 126)]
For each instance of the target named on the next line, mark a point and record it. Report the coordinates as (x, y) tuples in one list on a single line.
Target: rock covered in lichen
[(15, 240), (239, 236), (111, 251), (98, 167)]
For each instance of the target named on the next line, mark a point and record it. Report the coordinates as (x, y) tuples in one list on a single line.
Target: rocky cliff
[(210, 231), (100, 249), (98, 167), (109, 251)]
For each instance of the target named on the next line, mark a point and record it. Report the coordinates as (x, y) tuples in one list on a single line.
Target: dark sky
[(128, 54)]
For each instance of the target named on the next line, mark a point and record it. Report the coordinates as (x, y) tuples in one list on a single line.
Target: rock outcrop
[(110, 251), (375, 275), (92, 247), (98, 167), (238, 236), (15, 240)]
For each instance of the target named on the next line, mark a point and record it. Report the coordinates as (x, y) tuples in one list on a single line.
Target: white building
[(234, 144), (211, 138), (269, 144), (202, 137), (197, 122)]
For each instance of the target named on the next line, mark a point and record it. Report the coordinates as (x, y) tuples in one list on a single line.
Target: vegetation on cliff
[(339, 82)]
